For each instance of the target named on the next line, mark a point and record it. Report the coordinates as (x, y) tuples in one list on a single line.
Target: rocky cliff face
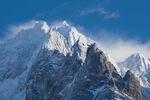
[(132, 86), (62, 65), (94, 79)]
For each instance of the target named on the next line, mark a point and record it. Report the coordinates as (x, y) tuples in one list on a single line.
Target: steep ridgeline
[(140, 67), (58, 63)]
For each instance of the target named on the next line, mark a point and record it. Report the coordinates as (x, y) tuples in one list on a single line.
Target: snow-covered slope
[(140, 67), (17, 56), (63, 37), (19, 53)]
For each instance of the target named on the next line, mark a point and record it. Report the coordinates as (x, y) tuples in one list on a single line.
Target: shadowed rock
[(92, 78), (132, 86)]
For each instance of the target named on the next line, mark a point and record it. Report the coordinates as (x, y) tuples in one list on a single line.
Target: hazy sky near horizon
[(121, 27)]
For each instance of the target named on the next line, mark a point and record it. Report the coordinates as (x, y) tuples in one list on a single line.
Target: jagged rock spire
[(132, 86)]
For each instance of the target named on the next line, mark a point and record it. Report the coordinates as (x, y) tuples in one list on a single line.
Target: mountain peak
[(139, 66), (137, 55), (36, 25), (63, 36), (65, 23), (61, 24), (137, 63), (45, 26)]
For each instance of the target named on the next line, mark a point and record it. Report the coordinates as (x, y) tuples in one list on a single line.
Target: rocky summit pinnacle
[(59, 63), (132, 86)]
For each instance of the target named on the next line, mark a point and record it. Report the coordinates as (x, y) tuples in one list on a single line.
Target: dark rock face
[(75, 79), (132, 86)]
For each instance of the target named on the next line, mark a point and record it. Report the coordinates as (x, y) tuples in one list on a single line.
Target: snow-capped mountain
[(18, 54), (140, 67), (57, 62)]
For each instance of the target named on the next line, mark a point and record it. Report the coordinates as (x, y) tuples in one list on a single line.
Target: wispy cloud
[(121, 49), (101, 11), (13, 30), (118, 47)]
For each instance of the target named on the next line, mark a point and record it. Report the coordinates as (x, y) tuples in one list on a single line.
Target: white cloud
[(102, 12), (13, 30), (119, 48)]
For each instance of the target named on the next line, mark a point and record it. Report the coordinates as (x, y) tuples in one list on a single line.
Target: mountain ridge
[(49, 62)]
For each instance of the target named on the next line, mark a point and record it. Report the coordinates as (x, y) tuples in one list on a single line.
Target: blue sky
[(128, 19)]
